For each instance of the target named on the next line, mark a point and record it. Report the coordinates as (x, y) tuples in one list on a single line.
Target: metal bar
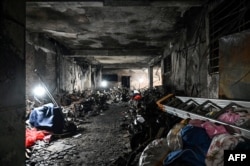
[(185, 115), (220, 103)]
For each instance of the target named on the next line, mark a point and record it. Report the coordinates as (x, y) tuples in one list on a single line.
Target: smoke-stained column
[(163, 74), (150, 76), (93, 77), (98, 76), (90, 76)]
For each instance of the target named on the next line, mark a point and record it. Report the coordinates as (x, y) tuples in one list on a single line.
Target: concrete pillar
[(94, 77), (150, 76), (12, 84), (90, 77), (163, 74), (99, 76)]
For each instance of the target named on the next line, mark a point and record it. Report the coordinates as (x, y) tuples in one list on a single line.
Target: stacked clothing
[(194, 143)]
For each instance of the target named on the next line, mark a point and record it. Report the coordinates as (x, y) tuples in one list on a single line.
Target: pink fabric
[(229, 117), (213, 129)]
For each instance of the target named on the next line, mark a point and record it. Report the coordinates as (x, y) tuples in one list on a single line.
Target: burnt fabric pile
[(193, 143), (48, 119), (87, 103), (43, 121)]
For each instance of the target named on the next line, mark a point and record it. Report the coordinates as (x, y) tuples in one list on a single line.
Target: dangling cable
[(46, 89)]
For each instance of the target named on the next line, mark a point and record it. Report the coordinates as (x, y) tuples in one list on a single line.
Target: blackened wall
[(209, 57), (139, 78), (60, 74), (187, 71), (40, 56)]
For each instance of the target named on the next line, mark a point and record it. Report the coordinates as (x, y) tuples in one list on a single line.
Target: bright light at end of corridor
[(104, 83)]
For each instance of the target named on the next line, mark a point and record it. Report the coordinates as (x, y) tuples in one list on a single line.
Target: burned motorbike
[(145, 125), (148, 122), (93, 104)]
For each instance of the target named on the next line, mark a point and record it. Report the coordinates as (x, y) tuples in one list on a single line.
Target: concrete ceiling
[(111, 33)]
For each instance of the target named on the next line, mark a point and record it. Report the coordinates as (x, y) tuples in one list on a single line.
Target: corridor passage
[(99, 141)]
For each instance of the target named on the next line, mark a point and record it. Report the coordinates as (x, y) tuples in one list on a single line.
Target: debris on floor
[(98, 140), (104, 140)]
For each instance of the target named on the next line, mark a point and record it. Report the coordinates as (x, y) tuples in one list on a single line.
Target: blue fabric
[(42, 116), (195, 146), (47, 116)]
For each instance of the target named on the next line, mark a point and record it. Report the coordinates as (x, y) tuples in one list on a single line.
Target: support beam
[(155, 60), (150, 76), (179, 3), (62, 5), (127, 52), (125, 66), (158, 3), (99, 76), (163, 76), (90, 77)]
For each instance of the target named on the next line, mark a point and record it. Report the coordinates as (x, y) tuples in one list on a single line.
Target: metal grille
[(167, 64), (231, 16)]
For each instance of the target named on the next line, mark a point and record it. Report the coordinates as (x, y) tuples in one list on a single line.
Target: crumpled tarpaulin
[(154, 153), (42, 116), (47, 117), (174, 139)]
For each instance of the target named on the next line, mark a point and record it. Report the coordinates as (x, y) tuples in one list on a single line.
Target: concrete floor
[(100, 140)]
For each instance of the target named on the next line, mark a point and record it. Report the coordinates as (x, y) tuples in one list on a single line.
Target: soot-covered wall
[(139, 78), (188, 67), (60, 74), (209, 57), (186, 72)]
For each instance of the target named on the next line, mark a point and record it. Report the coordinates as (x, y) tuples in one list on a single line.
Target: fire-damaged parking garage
[(125, 82)]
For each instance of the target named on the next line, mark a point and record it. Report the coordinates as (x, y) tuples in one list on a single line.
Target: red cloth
[(137, 97), (32, 135)]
